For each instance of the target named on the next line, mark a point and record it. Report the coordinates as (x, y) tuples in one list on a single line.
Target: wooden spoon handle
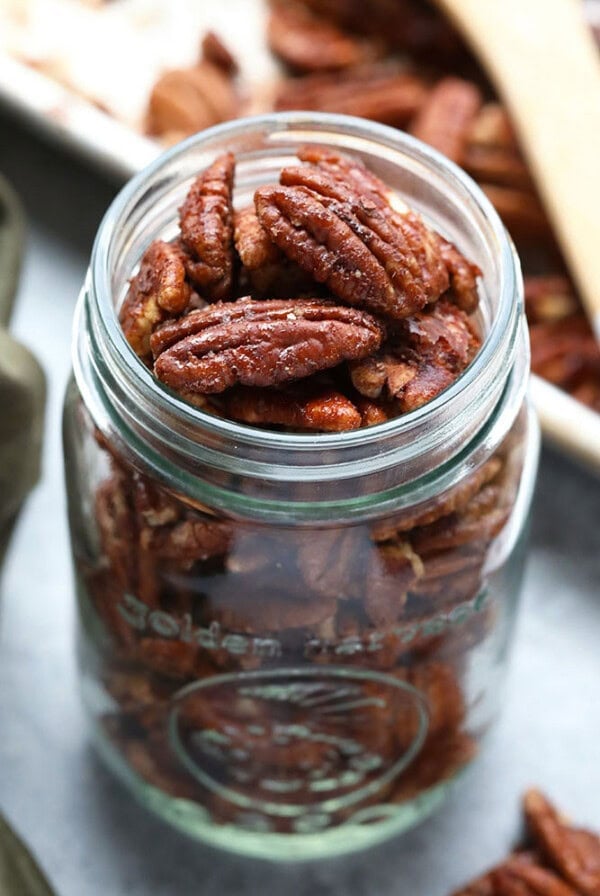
[(542, 58)]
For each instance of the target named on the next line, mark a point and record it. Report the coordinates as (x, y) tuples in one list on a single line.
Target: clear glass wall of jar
[(291, 645)]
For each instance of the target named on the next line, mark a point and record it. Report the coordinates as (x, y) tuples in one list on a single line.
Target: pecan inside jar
[(342, 278)]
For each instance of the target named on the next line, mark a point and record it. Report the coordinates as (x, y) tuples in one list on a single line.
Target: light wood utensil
[(544, 63)]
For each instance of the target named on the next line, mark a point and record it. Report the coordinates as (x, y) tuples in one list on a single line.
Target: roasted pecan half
[(391, 96), (323, 410), (268, 270), (424, 357), (447, 115), (366, 252), (454, 500), (573, 852), (408, 25), (186, 100), (565, 352), (333, 562), (481, 520), (158, 291), (496, 165), (523, 879), (348, 171), (439, 684), (206, 222), (463, 277), (307, 43), (393, 570), (521, 212), (260, 343), (486, 885), (493, 128)]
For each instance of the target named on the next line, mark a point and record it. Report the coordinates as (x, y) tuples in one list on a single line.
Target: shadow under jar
[(290, 645)]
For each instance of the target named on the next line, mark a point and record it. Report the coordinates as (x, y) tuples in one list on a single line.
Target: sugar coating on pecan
[(206, 222), (252, 242), (424, 357), (367, 253), (463, 277), (260, 343), (157, 291), (463, 273)]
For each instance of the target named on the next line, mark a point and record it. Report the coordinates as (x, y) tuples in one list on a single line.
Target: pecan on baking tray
[(566, 353), (186, 100), (260, 343), (573, 852), (159, 290), (206, 223), (446, 116), (387, 94), (215, 52), (522, 213), (549, 298), (408, 25), (306, 43)]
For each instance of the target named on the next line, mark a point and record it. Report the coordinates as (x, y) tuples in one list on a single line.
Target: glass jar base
[(350, 837)]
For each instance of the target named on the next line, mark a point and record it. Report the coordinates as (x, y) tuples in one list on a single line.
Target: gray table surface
[(89, 836)]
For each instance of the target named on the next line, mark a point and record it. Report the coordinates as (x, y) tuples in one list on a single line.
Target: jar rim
[(270, 454)]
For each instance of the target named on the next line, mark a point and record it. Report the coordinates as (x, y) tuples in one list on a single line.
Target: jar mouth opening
[(275, 128)]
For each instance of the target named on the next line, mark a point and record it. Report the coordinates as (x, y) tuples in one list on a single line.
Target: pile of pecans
[(343, 55), (375, 320), (379, 320), (559, 860)]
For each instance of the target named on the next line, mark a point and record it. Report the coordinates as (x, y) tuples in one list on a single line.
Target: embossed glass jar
[(290, 645)]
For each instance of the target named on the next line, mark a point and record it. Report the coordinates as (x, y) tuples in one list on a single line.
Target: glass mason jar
[(291, 644)]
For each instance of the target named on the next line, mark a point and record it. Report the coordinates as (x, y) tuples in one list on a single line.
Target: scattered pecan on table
[(559, 860)]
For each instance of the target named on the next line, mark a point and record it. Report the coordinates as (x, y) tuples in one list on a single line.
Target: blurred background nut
[(186, 100)]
